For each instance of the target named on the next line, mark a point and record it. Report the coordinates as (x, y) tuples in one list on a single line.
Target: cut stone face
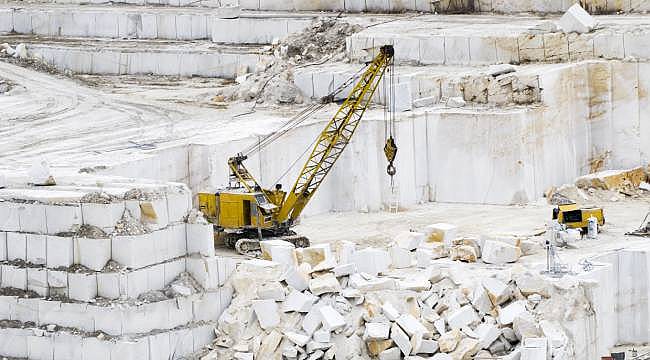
[(267, 313)]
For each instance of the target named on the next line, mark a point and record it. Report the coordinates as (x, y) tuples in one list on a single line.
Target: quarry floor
[(378, 229)]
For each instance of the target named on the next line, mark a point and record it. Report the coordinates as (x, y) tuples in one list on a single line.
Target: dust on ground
[(380, 228), (195, 91)]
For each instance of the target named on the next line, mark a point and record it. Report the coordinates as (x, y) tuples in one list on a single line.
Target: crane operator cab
[(237, 209)]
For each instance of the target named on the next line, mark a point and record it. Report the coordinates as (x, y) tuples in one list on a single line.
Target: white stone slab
[(432, 50), (26, 310), (176, 242), (371, 261), (109, 285), (137, 251), (58, 281), (40, 347), (37, 281), (32, 218), (280, 251), (441, 232), (496, 252), (298, 301), (487, 334), (179, 203), (409, 240), (410, 324), (576, 19), (60, 251), (534, 349), (3, 246), (401, 339), (205, 270), (93, 253), (82, 287), (13, 277), (377, 330), (137, 283), (200, 239), (16, 246), (9, 218), (462, 317), (93, 348), (104, 216), (62, 218), (13, 342), (508, 313), (36, 248), (400, 257), (330, 318), (267, 313)]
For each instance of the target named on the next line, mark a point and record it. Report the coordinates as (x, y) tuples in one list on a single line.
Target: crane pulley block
[(390, 150)]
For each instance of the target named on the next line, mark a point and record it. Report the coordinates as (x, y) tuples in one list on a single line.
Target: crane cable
[(390, 147), (301, 117)]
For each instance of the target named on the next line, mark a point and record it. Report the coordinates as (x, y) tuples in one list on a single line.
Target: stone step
[(430, 85), (394, 6), (21, 340), (117, 318), (136, 22), (132, 57), (209, 273), (449, 6), (61, 251), (87, 285), (483, 40)]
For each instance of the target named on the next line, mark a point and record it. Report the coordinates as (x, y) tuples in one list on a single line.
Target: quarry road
[(45, 114), (74, 125)]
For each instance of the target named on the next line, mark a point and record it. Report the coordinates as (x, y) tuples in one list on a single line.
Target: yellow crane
[(245, 212)]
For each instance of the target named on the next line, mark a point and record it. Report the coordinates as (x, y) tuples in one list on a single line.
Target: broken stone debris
[(357, 314), (627, 179), (456, 102)]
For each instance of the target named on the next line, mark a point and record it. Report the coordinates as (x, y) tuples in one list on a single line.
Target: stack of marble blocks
[(64, 282)]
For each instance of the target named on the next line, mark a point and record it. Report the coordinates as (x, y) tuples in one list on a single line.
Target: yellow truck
[(575, 217)]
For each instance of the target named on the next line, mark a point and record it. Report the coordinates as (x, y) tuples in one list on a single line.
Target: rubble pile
[(608, 185), (347, 303), (272, 82), (321, 41)]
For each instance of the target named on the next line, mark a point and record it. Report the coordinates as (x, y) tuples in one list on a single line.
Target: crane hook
[(390, 150)]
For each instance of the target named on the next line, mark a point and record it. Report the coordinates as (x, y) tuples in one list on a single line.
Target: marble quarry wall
[(122, 260)]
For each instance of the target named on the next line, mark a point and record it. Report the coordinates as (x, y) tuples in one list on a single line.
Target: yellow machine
[(245, 212), (575, 217)]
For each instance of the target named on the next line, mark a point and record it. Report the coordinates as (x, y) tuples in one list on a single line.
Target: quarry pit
[(115, 118)]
